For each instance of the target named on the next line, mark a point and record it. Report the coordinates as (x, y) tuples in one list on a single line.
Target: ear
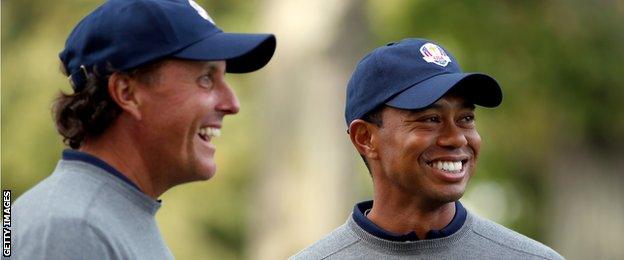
[(363, 135), (123, 91)]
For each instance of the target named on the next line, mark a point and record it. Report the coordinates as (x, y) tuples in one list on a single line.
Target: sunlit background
[(552, 160)]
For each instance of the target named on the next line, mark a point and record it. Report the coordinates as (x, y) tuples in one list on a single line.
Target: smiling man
[(149, 95), (410, 113)]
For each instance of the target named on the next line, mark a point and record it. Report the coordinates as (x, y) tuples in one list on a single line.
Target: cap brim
[(242, 52), (479, 88)]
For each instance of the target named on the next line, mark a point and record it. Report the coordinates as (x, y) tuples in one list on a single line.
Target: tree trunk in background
[(306, 157), (588, 210)]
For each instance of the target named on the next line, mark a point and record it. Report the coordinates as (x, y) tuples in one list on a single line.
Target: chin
[(201, 172), (205, 168), (442, 199), (453, 197), (207, 173), (451, 194)]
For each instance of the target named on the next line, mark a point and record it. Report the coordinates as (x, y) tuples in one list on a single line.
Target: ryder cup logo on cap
[(201, 11), (434, 54)]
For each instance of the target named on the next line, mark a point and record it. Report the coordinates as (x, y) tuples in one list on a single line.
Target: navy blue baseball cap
[(124, 34), (412, 74)]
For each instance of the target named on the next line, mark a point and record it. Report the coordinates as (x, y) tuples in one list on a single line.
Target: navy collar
[(360, 218), (75, 155)]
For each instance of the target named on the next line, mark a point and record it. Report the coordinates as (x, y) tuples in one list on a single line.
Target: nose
[(452, 136), (228, 102)]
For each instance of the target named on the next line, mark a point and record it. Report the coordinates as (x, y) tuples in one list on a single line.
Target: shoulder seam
[(329, 253), (340, 249), (90, 207), (507, 246), (97, 232)]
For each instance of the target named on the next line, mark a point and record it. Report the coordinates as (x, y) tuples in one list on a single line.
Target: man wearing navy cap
[(149, 95), (410, 113)]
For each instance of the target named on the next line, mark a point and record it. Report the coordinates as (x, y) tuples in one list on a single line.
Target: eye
[(205, 81), (431, 119), (469, 119)]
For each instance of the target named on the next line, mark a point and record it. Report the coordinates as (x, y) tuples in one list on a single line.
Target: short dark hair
[(89, 112), (373, 117)]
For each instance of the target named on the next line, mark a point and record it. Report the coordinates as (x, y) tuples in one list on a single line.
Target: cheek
[(405, 151), (416, 145), (168, 125), (161, 107), (474, 142)]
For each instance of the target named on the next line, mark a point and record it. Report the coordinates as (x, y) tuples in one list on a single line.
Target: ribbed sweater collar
[(397, 247)]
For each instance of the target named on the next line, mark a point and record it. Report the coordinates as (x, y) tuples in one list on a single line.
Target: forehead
[(450, 102), (177, 70), (192, 65)]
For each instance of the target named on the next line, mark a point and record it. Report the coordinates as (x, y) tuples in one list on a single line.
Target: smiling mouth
[(207, 133), (448, 166)]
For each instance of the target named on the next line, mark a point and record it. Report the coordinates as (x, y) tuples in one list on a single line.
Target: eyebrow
[(468, 105), (211, 66)]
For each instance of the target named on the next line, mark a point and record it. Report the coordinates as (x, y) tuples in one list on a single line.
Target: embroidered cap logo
[(434, 54), (201, 11)]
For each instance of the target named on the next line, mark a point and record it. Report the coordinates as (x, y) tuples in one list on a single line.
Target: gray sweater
[(84, 212), (478, 238)]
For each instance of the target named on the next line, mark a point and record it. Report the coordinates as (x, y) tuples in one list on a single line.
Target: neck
[(119, 150), (400, 213)]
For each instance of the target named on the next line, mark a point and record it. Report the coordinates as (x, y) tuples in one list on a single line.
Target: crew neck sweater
[(478, 238)]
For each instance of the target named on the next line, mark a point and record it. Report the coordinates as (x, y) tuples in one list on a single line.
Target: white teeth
[(449, 166), (213, 132), (210, 132)]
